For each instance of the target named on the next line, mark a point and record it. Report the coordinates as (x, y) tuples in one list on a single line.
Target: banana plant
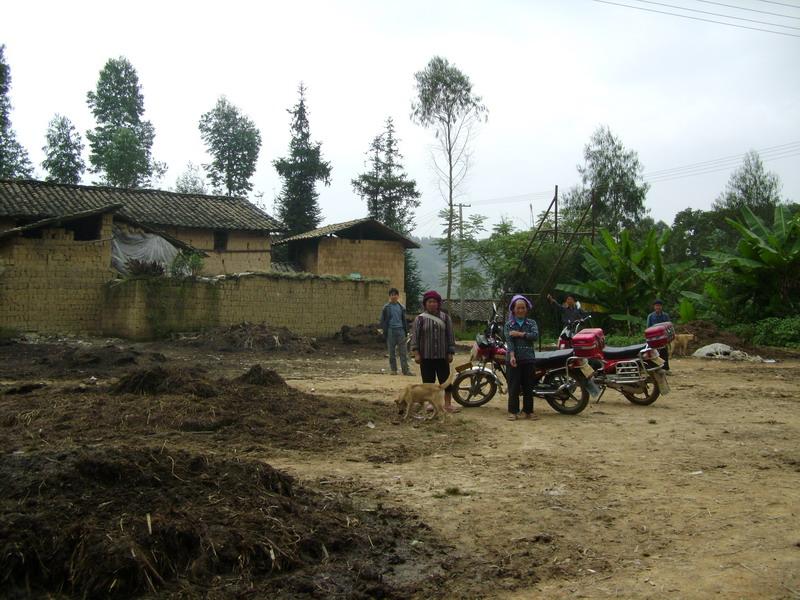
[(762, 277)]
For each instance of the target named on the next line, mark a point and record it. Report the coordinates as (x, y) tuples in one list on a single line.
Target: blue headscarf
[(514, 301)]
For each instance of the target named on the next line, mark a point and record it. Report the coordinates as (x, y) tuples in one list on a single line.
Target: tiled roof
[(366, 229), (39, 200)]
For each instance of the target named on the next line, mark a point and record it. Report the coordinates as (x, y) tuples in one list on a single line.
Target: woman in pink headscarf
[(433, 344)]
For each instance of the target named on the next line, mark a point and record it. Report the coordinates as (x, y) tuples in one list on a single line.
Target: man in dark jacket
[(395, 329), (654, 318), (568, 311)]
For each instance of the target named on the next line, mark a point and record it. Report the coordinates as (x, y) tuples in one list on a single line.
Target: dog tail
[(447, 385)]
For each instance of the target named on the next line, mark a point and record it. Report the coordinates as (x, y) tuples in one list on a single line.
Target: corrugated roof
[(358, 229), (38, 200)]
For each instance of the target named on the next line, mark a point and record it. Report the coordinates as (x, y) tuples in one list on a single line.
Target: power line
[(763, 151), (780, 4), (755, 10), (713, 14), (714, 169), (652, 10)]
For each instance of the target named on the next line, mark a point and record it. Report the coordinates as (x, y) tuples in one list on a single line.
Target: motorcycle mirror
[(578, 304)]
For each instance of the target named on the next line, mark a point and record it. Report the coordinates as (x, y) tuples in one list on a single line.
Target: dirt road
[(696, 496)]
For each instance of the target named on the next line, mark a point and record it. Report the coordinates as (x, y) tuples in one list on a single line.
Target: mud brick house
[(58, 244), (364, 248), (232, 232)]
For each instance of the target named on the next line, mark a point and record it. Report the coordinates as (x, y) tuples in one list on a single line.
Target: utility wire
[(780, 4), (755, 10), (652, 10), (690, 166), (714, 14)]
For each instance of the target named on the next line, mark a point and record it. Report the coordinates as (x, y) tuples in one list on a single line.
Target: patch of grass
[(452, 491), (7, 333)]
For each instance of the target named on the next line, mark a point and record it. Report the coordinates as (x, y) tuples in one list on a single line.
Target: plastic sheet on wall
[(134, 245)]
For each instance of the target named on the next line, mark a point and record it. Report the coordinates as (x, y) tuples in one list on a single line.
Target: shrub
[(186, 264), (624, 340), (145, 268), (778, 332)]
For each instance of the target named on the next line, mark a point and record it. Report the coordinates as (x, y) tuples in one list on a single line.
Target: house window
[(220, 241)]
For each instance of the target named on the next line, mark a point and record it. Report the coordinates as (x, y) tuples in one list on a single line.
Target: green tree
[(463, 247), (14, 161), (695, 232), (233, 141), (391, 198), (612, 175), (191, 181), (121, 143), (390, 195), (297, 204), (762, 277), (753, 187), (446, 103), (63, 148)]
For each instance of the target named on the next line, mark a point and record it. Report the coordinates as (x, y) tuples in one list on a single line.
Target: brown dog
[(416, 395), (680, 345)]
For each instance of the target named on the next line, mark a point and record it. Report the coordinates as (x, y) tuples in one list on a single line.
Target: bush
[(624, 340), (186, 264), (144, 268), (778, 332)]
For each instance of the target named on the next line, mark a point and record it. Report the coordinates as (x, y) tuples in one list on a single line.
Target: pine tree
[(297, 205), (121, 143), (14, 161), (233, 141), (391, 198), (63, 148)]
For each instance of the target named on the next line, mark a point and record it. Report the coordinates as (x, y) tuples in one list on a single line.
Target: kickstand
[(600, 396)]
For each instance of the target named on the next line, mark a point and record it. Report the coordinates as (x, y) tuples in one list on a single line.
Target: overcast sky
[(677, 91)]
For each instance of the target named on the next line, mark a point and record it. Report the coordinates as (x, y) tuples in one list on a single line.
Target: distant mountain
[(433, 265)]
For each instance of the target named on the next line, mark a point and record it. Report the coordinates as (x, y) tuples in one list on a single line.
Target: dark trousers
[(664, 354), (521, 378)]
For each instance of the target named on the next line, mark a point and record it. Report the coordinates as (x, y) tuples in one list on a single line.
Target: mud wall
[(54, 284), (370, 258), (317, 306), (246, 251)]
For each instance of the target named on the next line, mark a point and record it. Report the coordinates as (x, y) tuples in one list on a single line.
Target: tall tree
[(391, 198), (446, 103), (14, 161), (191, 181), (122, 141), (390, 195), (233, 141), (613, 175), (753, 187), (297, 204), (63, 148)]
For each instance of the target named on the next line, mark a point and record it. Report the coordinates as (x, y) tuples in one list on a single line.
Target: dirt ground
[(313, 488)]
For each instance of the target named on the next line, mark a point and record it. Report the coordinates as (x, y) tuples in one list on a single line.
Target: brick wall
[(151, 308), (247, 251), (54, 284), (371, 258)]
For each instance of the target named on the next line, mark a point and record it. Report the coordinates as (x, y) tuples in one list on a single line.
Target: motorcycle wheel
[(647, 397), (570, 404), (471, 389)]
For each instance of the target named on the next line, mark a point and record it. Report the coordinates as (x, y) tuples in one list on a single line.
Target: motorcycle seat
[(553, 358), (623, 351)]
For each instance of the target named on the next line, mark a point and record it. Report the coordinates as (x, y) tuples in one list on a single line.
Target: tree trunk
[(449, 215)]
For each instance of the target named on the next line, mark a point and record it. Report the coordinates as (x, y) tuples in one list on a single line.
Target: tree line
[(631, 260)]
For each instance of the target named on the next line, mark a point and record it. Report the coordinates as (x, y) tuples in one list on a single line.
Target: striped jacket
[(432, 340)]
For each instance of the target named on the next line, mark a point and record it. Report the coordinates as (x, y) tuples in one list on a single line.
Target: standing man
[(568, 311), (395, 328), (654, 318)]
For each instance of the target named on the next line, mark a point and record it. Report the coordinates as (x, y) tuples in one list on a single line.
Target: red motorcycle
[(562, 377), (635, 371)]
